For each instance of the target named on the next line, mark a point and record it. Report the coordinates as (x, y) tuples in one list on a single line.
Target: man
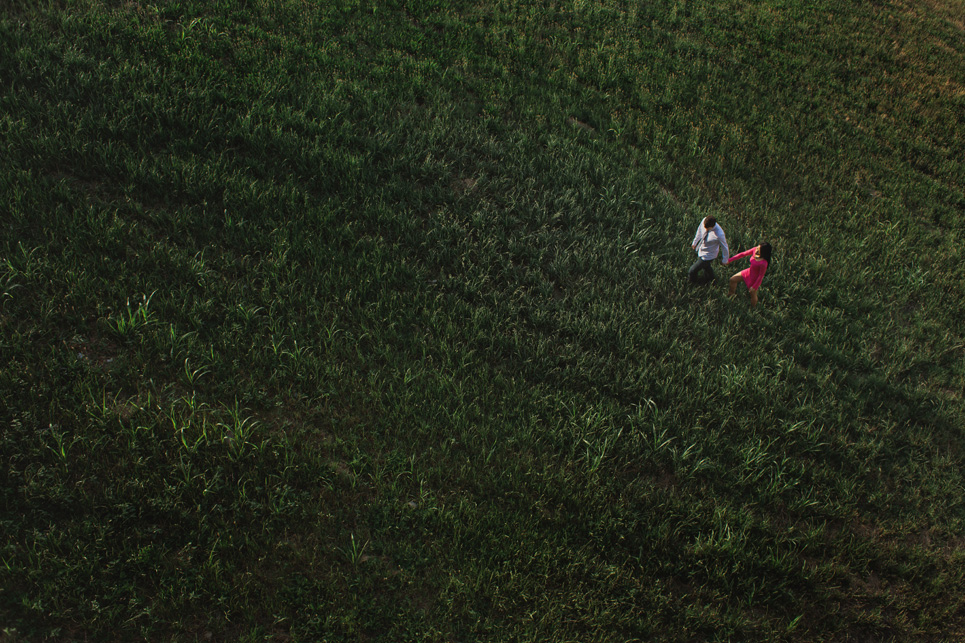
[(708, 242)]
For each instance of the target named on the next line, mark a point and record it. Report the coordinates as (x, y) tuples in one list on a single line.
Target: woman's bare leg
[(734, 280), (753, 298)]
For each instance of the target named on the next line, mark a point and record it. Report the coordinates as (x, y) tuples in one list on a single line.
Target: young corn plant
[(238, 432), (130, 321)]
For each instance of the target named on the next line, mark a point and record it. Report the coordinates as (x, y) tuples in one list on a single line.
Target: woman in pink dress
[(753, 276)]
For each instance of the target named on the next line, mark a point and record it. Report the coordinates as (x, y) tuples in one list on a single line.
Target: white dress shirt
[(711, 243)]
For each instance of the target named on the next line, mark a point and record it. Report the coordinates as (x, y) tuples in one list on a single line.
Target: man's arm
[(725, 251)]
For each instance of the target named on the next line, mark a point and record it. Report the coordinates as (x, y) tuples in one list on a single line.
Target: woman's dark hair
[(710, 222), (766, 251)]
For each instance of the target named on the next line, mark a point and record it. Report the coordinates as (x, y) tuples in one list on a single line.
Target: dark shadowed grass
[(369, 321)]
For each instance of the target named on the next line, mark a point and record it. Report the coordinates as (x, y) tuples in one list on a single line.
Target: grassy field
[(368, 321)]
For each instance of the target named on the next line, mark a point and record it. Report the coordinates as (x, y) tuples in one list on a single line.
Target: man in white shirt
[(708, 242)]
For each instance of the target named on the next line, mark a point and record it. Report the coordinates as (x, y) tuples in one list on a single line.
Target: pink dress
[(754, 275)]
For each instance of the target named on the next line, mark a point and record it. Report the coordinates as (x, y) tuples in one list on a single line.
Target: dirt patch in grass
[(94, 349), (463, 186), (583, 125)]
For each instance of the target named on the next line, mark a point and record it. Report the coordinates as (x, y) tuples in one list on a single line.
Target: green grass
[(368, 321)]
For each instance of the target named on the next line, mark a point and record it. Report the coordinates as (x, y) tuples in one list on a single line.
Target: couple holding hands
[(709, 241)]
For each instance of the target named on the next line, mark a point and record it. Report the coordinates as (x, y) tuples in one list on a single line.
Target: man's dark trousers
[(701, 266)]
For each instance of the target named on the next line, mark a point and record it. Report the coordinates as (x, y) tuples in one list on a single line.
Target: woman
[(753, 276)]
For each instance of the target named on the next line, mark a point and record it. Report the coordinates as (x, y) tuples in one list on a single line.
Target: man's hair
[(710, 222)]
